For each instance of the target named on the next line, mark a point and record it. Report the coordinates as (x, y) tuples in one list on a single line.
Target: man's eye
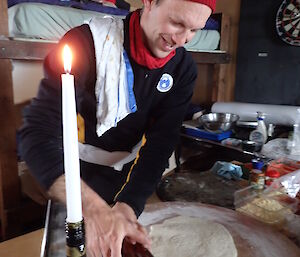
[(176, 23)]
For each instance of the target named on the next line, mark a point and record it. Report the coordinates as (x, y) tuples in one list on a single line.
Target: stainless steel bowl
[(218, 122)]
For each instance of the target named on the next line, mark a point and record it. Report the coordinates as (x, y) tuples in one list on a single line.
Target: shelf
[(213, 57), (32, 50), (24, 50)]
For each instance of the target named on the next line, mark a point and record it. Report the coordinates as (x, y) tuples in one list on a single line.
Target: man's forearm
[(57, 192), (105, 227)]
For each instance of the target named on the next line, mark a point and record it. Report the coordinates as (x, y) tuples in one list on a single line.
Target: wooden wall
[(134, 4), (9, 183), (232, 9)]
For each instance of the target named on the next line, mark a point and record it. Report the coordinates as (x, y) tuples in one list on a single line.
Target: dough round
[(185, 236)]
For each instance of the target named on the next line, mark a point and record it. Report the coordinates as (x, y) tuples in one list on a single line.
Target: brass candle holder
[(75, 239)]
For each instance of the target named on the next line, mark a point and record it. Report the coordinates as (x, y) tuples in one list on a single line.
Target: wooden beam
[(212, 57), (24, 50), (3, 18), (9, 180), (221, 86), (30, 50)]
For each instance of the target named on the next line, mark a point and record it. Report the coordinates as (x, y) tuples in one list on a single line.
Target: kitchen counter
[(205, 187), (192, 180)]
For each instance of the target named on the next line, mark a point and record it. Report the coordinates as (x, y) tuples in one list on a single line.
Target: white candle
[(70, 139)]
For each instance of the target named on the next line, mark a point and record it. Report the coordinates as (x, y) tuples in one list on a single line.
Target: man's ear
[(147, 3)]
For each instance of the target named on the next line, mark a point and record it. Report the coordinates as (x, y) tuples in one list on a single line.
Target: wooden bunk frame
[(10, 189)]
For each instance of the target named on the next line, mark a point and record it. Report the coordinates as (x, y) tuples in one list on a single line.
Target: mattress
[(82, 4), (51, 22), (43, 21)]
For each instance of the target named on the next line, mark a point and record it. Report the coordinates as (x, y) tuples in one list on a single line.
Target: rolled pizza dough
[(184, 236)]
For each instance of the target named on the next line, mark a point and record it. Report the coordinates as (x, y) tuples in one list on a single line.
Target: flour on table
[(185, 236)]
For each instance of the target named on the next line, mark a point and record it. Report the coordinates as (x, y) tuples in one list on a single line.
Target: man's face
[(171, 24)]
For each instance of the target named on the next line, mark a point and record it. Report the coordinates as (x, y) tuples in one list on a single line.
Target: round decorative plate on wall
[(288, 22)]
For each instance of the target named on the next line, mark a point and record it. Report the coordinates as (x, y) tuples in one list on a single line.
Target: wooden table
[(28, 245)]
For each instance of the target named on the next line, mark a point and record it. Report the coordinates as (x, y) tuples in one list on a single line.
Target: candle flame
[(67, 57)]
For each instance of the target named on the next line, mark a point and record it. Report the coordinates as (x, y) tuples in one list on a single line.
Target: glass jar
[(257, 179)]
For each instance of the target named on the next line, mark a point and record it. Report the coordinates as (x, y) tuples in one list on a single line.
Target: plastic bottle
[(270, 131), (295, 144), (257, 175), (259, 135)]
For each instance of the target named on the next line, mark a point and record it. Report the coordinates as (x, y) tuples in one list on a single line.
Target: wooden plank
[(225, 33), (30, 50), (8, 159), (2, 211), (211, 57), (9, 181), (3, 18), (232, 9), (202, 91), (221, 86), (219, 83), (24, 50)]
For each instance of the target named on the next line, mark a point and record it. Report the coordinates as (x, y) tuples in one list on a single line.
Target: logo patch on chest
[(165, 83)]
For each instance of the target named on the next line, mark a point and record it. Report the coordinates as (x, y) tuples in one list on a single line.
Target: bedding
[(84, 5), (43, 21), (51, 22), (204, 40)]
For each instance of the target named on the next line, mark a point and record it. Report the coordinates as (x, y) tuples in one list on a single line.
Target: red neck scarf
[(138, 51)]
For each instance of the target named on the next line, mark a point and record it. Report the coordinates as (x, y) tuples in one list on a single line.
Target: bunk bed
[(209, 88)]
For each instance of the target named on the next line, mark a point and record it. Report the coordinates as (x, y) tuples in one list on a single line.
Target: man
[(164, 75)]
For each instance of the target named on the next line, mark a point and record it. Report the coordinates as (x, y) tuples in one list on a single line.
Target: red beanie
[(209, 3)]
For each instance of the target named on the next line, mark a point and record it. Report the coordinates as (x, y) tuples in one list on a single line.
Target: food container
[(269, 207), (251, 146), (271, 175), (283, 166)]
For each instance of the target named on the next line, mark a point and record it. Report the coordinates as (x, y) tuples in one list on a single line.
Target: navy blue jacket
[(158, 118)]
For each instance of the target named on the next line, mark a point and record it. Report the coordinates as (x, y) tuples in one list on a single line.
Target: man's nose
[(181, 38)]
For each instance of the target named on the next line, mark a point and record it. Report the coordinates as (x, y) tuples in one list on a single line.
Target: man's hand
[(129, 214), (107, 227), (126, 210)]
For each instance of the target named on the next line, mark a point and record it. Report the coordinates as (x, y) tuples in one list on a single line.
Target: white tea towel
[(111, 84)]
